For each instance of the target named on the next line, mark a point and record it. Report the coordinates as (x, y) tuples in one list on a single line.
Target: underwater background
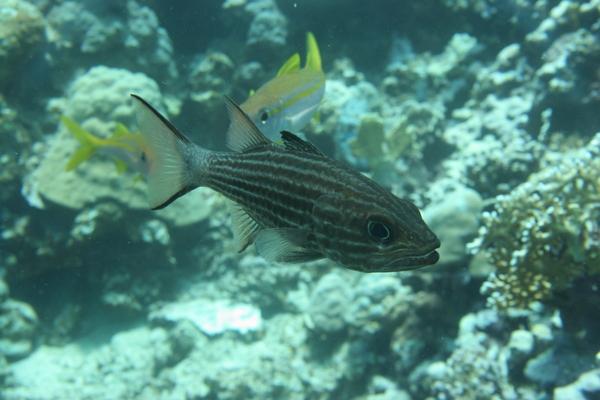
[(486, 114)]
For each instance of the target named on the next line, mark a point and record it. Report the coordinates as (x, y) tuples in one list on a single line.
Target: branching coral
[(546, 232)]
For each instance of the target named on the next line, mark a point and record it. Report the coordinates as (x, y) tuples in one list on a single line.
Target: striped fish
[(292, 201)]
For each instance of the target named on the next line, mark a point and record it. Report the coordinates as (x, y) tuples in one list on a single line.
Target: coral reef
[(267, 33), (488, 123), (18, 323), (454, 215), (545, 233), (21, 32), (585, 387), (98, 99), (91, 32)]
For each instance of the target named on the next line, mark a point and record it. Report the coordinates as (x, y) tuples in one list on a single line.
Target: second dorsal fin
[(294, 143), (242, 133)]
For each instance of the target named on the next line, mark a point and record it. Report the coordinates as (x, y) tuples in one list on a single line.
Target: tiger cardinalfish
[(291, 200), (128, 150), (289, 101)]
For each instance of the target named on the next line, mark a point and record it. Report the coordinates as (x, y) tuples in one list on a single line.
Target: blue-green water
[(483, 113)]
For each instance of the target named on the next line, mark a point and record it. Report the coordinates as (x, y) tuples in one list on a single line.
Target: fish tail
[(173, 157), (313, 56), (88, 143)]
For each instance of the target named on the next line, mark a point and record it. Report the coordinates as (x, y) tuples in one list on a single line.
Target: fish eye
[(379, 231), (264, 117)]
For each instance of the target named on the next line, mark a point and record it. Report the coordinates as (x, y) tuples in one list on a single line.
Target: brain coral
[(546, 232)]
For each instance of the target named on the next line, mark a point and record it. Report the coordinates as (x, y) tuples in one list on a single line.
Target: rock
[(455, 220), (556, 366), (213, 72), (4, 370), (4, 292), (382, 388), (21, 31), (380, 301), (267, 34), (18, 323), (521, 342), (248, 76), (97, 100), (122, 34), (486, 320), (586, 387), (329, 304), (212, 317), (520, 347)]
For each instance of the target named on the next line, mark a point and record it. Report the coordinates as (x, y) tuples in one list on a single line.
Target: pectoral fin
[(284, 245)]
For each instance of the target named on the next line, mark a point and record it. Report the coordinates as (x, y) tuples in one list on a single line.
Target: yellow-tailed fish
[(127, 149), (286, 102), (289, 101)]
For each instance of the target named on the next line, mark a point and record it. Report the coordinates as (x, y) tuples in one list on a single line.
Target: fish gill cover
[(484, 114)]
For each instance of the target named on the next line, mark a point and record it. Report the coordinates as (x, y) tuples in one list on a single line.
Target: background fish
[(289, 101), (127, 149), (286, 102), (292, 201)]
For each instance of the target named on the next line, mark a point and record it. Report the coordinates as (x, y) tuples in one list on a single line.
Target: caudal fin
[(168, 176), (88, 143)]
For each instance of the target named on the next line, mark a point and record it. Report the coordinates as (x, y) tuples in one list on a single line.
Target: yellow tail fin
[(120, 130), (88, 143), (81, 154), (313, 57)]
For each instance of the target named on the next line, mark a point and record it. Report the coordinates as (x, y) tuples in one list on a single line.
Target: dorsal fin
[(290, 65), (294, 143), (242, 133), (313, 56)]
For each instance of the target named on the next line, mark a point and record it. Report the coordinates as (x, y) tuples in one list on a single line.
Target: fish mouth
[(407, 262)]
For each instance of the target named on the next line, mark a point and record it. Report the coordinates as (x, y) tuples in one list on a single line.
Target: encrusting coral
[(546, 233)]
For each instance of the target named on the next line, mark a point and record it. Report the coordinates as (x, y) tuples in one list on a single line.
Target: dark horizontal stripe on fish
[(267, 182), (299, 195), (322, 173), (293, 166), (269, 213), (269, 176), (304, 181), (273, 209)]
